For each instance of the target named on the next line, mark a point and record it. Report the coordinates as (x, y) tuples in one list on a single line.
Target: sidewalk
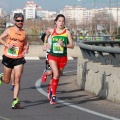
[(68, 90)]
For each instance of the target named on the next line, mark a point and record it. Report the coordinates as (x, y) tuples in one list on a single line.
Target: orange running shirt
[(17, 38)]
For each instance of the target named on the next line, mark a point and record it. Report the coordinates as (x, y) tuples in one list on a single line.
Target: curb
[(38, 58)]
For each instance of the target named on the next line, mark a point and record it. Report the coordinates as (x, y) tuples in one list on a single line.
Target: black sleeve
[(43, 37)]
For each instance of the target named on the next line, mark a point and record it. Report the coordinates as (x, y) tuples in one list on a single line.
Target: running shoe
[(44, 76), (16, 104), (1, 75), (12, 87), (50, 93), (53, 100)]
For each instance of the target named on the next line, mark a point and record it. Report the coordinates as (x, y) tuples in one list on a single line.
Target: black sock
[(14, 99), (1, 78)]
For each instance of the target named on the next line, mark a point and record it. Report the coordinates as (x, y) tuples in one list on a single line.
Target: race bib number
[(57, 48), (13, 51)]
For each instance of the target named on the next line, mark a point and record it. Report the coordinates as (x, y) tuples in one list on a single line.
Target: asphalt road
[(72, 103)]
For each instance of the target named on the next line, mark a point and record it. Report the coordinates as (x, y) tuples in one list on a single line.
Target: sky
[(55, 5)]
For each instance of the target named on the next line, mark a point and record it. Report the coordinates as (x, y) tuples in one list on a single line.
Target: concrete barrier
[(101, 80)]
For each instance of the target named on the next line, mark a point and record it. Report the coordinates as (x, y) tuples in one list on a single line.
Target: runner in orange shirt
[(13, 56), (13, 75)]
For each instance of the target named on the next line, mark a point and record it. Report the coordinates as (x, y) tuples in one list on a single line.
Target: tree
[(104, 19)]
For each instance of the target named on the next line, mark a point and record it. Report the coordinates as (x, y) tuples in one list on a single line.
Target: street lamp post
[(117, 19), (95, 16), (83, 15), (78, 12), (110, 16)]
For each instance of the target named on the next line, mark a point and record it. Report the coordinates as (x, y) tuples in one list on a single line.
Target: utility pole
[(117, 20), (110, 17), (83, 15), (95, 28)]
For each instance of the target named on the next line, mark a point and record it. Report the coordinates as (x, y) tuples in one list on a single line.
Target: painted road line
[(4, 118), (38, 87), (38, 58), (27, 58), (32, 58), (70, 71), (70, 58)]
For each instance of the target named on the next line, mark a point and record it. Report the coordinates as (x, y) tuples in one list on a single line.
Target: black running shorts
[(10, 62)]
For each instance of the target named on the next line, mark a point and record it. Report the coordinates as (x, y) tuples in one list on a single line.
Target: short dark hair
[(16, 15)]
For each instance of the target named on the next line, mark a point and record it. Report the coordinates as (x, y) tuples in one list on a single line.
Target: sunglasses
[(19, 20)]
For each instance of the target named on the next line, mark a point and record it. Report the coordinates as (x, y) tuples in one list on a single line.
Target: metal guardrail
[(104, 52)]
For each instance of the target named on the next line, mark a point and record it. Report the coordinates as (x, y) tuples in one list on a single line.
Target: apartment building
[(29, 10), (17, 11), (74, 13), (33, 11), (2, 13)]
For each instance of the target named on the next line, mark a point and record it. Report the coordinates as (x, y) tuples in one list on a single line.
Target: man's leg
[(18, 73), (13, 79), (6, 76)]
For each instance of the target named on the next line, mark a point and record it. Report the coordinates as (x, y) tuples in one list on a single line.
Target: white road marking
[(70, 71), (4, 118), (38, 86)]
